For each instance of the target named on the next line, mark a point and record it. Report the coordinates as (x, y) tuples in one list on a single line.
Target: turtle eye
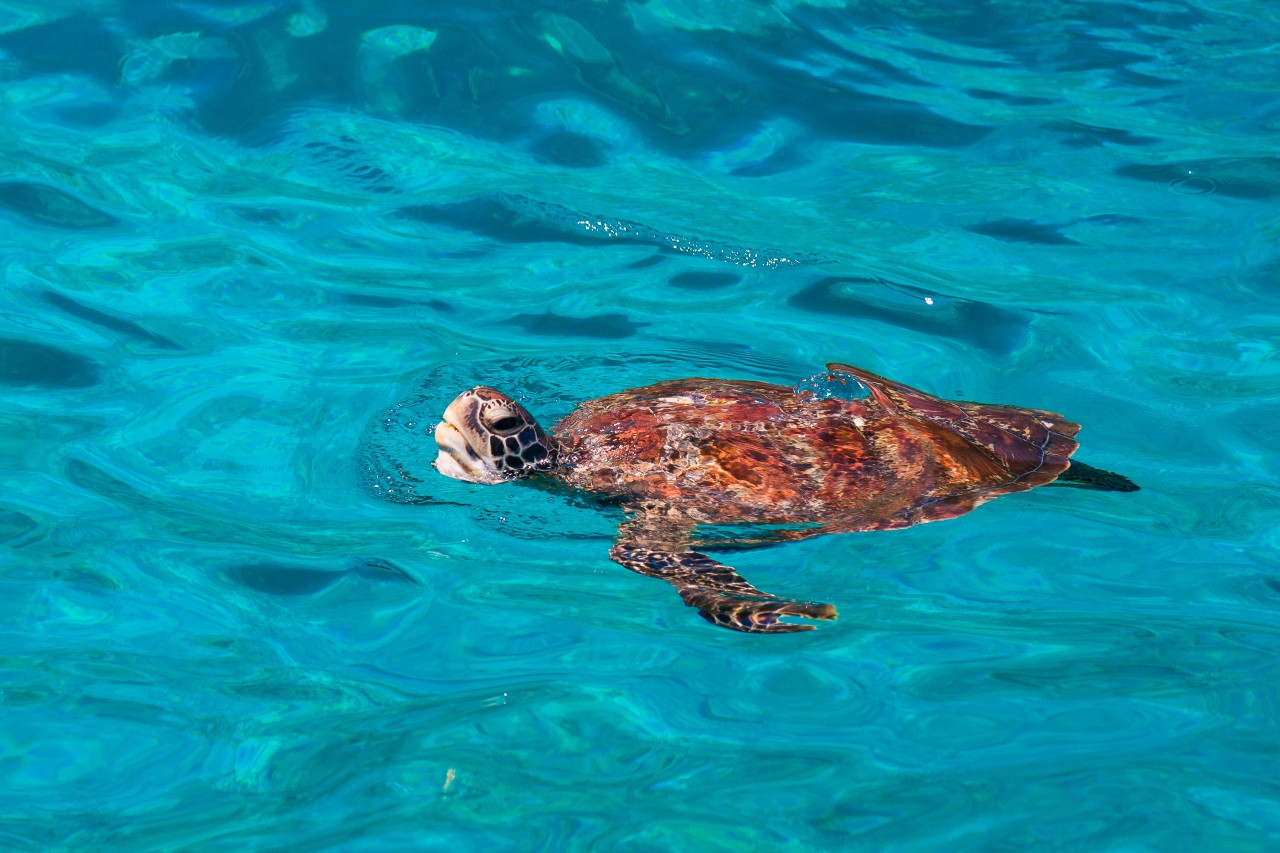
[(505, 423)]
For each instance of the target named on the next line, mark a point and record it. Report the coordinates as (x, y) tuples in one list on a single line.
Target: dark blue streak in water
[(976, 323), (106, 321), (239, 609), (51, 206), (516, 219), (26, 363)]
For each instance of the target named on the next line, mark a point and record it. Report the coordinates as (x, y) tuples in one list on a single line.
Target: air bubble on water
[(1194, 185)]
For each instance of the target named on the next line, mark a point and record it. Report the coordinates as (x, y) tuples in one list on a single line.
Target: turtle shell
[(723, 451)]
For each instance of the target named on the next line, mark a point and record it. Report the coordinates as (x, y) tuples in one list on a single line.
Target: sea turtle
[(872, 454)]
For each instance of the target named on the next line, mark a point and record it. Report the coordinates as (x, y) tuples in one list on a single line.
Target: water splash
[(832, 385)]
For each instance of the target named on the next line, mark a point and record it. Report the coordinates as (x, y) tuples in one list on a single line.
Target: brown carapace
[(683, 454)]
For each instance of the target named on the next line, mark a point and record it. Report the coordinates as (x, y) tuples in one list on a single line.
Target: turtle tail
[(1082, 476)]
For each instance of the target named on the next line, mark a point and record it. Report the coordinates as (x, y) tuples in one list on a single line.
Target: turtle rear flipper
[(722, 596), (1034, 446)]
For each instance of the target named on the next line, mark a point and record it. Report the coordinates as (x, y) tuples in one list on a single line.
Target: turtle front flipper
[(722, 596)]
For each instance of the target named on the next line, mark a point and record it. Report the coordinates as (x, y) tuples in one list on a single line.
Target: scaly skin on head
[(486, 437)]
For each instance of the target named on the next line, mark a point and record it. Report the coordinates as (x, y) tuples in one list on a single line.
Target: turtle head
[(486, 437)]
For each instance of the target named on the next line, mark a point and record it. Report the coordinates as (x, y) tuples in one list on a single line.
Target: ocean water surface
[(250, 251)]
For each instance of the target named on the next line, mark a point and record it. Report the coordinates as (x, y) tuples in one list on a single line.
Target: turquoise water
[(251, 249)]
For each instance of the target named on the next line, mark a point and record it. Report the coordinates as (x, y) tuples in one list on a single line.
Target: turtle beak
[(457, 459), (452, 446)]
